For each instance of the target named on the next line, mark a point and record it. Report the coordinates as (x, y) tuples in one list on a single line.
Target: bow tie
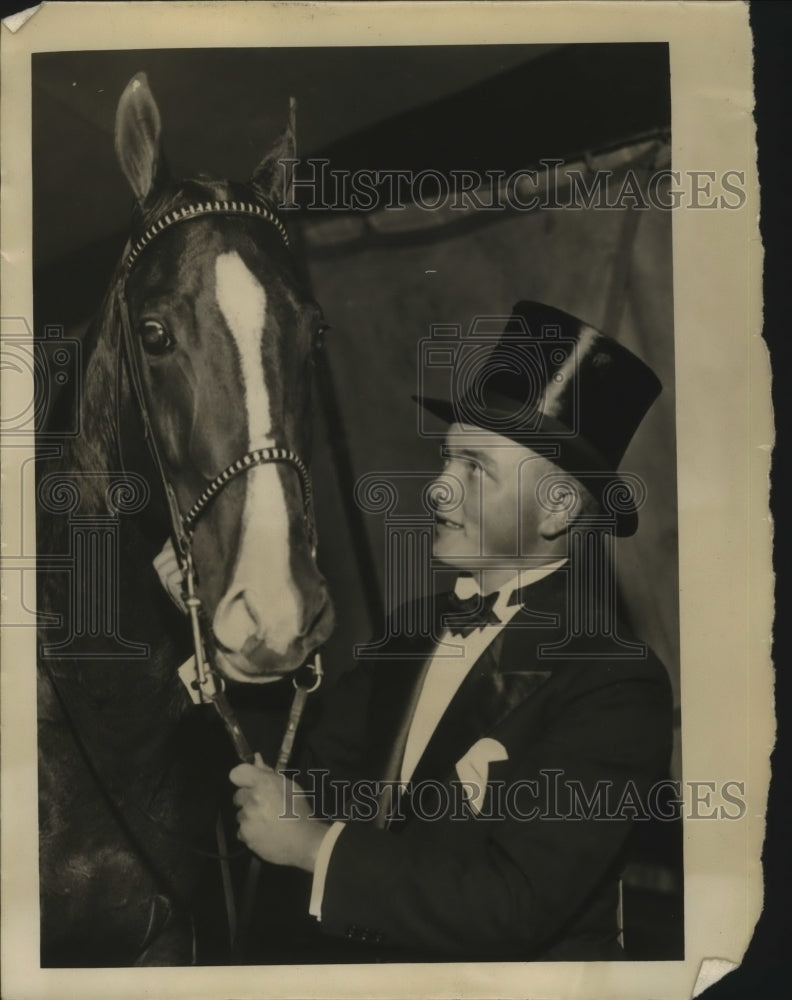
[(472, 613)]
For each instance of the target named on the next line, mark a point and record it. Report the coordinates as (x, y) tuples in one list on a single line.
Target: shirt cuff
[(320, 869)]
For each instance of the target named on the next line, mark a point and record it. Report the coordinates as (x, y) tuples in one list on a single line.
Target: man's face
[(487, 512)]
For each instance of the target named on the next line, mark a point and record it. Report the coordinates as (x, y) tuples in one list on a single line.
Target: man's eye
[(155, 338), (470, 465)]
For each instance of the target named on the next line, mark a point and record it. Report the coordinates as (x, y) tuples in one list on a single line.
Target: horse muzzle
[(254, 647)]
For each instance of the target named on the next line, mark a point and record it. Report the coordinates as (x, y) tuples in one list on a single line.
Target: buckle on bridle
[(315, 666)]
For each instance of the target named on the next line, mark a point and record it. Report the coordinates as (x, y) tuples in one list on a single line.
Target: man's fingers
[(170, 574), (249, 775), (166, 561), (175, 591), (245, 775), (163, 559)]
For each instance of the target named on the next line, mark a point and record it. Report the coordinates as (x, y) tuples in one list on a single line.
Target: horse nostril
[(237, 619)]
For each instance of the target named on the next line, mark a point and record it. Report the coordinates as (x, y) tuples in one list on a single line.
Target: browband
[(203, 208)]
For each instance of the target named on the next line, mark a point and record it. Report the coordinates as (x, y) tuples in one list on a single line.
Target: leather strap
[(197, 209), (209, 683)]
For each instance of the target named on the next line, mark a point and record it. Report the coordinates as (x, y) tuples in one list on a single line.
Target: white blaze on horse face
[(262, 601)]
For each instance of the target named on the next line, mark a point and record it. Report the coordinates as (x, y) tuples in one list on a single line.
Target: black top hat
[(553, 380)]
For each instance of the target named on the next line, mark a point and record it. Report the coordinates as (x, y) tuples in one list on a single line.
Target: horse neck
[(91, 458), (90, 467)]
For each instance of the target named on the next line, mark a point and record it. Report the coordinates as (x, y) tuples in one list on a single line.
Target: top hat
[(560, 387)]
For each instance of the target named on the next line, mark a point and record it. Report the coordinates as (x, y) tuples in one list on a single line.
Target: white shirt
[(451, 661)]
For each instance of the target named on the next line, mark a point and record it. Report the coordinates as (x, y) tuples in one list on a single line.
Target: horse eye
[(155, 338)]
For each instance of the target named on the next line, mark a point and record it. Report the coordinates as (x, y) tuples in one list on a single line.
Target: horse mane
[(92, 455)]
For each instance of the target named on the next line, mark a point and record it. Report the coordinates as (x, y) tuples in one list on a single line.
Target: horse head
[(223, 335)]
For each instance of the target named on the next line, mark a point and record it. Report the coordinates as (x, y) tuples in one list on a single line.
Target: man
[(487, 773)]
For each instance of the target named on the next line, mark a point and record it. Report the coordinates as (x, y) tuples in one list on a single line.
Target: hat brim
[(570, 453)]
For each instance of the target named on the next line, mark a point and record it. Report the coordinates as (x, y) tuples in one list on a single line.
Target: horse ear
[(137, 138), (271, 178)]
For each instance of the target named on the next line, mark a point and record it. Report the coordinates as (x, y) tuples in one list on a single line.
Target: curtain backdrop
[(385, 283)]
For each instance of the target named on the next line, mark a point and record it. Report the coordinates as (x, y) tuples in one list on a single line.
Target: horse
[(194, 422)]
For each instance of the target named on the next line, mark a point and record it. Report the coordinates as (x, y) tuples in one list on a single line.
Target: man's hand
[(168, 570), (274, 819)]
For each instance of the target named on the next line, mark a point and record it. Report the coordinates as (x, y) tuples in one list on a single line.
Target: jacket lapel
[(506, 674), (396, 684)]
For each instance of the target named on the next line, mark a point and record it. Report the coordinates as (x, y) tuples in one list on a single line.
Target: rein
[(209, 682)]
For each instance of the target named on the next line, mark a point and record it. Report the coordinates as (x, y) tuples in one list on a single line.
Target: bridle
[(183, 525), (209, 683)]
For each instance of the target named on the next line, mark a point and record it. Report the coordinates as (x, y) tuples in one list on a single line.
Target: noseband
[(208, 680)]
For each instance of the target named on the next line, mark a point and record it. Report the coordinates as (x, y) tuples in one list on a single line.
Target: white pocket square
[(473, 770)]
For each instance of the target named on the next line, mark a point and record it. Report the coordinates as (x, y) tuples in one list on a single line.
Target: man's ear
[(569, 502), (271, 178), (138, 139), (553, 526)]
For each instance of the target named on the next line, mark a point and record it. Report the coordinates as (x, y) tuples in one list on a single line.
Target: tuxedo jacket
[(584, 727)]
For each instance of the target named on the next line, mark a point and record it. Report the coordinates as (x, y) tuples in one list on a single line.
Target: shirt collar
[(467, 585)]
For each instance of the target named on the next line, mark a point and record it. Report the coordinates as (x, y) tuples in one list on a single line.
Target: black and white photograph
[(365, 527)]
